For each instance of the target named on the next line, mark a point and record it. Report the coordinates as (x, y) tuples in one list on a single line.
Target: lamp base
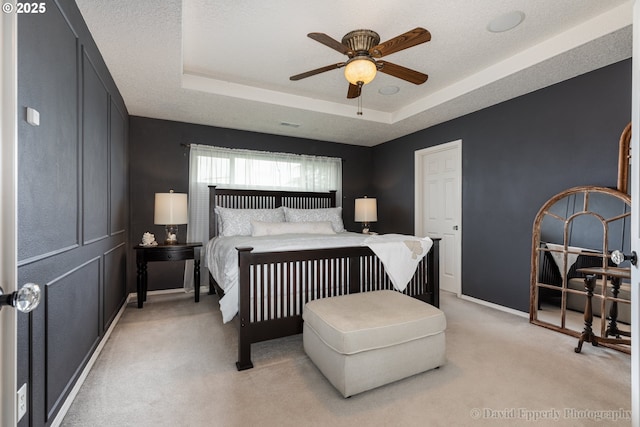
[(172, 235), (366, 227)]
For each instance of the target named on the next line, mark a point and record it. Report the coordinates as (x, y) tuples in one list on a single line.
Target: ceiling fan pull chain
[(360, 99)]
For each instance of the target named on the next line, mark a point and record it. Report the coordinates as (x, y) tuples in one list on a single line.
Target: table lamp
[(366, 212), (171, 210)]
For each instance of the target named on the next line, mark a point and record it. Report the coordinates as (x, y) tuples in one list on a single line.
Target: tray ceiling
[(227, 63)]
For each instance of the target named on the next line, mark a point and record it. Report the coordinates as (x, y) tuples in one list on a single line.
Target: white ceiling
[(227, 63)]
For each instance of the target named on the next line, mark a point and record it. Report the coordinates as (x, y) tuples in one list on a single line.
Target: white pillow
[(276, 228), (237, 222), (334, 215)]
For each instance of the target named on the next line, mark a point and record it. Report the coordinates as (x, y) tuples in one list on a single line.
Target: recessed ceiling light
[(388, 90), (506, 22)]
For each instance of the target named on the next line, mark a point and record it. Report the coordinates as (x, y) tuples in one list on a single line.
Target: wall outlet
[(22, 401)]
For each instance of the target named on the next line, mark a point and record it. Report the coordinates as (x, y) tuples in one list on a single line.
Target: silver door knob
[(25, 299)]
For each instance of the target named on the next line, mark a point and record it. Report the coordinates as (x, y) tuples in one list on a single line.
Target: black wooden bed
[(341, 271)]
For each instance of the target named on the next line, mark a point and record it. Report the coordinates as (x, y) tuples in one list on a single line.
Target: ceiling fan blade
[(354, 91), (330, 42), (403, 73), (403, 41), (317, 71)]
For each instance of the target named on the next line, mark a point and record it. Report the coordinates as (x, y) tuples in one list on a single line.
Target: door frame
[(635, 217), (419, 195), (8, 214)]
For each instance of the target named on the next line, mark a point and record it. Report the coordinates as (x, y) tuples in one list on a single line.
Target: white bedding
[(222, 256)]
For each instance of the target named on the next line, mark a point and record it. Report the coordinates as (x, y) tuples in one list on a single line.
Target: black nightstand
[(178, 252)]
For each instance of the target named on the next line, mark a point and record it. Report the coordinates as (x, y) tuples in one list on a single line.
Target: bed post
[(212, 212), (333, 201), (433, 271), (244, 311)]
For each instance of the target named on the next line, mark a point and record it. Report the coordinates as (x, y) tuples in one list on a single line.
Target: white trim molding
[(495, 306)]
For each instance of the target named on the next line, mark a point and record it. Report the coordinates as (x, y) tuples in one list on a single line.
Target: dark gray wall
[(160, 163), (515, 156), (72, 203)]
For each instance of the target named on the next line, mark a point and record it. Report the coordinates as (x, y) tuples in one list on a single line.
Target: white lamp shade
[(366, 210), (360, 70), (170, 209)]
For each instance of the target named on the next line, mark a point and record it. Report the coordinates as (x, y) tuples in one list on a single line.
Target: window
[(260, 169)]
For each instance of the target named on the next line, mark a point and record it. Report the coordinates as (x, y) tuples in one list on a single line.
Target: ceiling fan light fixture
[(361, 47), (360, 70)]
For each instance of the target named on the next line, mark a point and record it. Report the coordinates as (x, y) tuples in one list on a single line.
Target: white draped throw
[(400, 255)]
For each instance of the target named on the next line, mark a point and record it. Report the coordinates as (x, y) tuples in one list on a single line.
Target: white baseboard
[(133, 296), (495, 306)]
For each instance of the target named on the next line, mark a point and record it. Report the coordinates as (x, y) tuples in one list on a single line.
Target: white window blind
[(261, 169)]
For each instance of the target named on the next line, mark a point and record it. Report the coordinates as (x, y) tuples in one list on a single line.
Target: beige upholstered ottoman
[(365, 340)]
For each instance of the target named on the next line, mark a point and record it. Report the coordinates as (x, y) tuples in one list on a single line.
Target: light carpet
[(172, 363)]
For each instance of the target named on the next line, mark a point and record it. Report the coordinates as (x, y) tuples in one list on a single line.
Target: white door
[(8, 252), (438, 199)]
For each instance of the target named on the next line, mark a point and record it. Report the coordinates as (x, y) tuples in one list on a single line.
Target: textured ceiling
[(227, 63)]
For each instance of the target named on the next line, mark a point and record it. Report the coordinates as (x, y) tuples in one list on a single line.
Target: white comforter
[(222, 256)]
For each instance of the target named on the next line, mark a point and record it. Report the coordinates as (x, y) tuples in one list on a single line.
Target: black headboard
[(264, 199)]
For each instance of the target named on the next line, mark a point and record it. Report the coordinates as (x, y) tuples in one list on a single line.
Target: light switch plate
[(33, 117), (22, 401)]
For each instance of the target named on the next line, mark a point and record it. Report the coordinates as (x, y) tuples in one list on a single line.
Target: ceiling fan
[(363, 47)]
